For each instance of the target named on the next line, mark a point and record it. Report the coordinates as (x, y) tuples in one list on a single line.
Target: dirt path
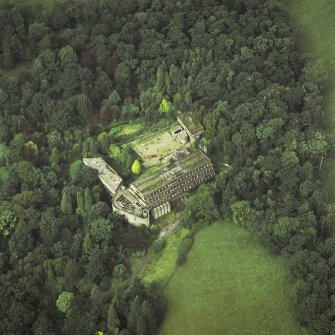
[(165, 233)]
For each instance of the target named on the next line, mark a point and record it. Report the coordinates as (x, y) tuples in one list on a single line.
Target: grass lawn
[(162, 266), (127, 130), (229, 285)]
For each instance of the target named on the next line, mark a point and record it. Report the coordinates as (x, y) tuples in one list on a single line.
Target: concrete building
[(191, 169), (127, 203), (107, 175), (153, 194), (191, 125)]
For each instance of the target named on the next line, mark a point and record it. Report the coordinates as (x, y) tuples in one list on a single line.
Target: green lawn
[(162, 266), (128, 130), (316, 22), (229, 285)]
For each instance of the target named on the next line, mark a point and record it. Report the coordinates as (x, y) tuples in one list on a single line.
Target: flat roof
[(128, 202), (192, 124), (186, 161), (106, 174)]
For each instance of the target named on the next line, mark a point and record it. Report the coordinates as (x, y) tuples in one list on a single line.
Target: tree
[(160, 75), (31, 150), (87, 244), (66, 203), (115, 151), (7, 222), (141, 326), (119, 271), (164, 106), (242, 212), (113, 320), (67, 56), (285, 227), (88, 199), (100, 230), (201, 207), (80, 203), (114, 97), (136, 167), (134, 314), (76, 171), (103, 140), (63, 302)]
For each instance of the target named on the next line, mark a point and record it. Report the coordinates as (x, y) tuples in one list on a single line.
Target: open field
[(229, 285), (316, 22)]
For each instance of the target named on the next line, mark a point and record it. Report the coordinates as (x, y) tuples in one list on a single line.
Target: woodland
[(238, 66)]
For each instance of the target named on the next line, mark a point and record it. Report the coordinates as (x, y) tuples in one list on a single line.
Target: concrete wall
[(133, 219), (161, 210), (196, 135)]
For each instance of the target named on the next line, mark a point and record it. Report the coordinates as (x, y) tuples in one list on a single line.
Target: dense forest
[(238, 66)]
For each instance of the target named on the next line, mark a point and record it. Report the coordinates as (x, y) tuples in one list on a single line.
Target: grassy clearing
[(162, 266), (128, 130), (316, 22), (229, 285)]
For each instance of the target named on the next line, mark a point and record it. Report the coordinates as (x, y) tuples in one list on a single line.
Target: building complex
[(151, 195)]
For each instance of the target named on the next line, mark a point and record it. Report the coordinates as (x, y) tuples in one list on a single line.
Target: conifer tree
[(88, 199), (80, 203), (66, 205)]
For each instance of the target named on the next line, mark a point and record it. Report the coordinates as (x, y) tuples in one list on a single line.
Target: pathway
[(165, 233)]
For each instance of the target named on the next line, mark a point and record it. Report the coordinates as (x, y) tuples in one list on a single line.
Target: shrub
[(159, 245), (184, 248)]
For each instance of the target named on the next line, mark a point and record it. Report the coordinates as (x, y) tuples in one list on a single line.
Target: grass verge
[(163, 265)]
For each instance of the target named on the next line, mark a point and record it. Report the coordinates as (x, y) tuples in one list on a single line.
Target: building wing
[(188, 171), (191, 124), (106, 174)]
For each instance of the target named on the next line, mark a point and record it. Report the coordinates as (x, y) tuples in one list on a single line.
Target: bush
[(159, 245), (184, 248)]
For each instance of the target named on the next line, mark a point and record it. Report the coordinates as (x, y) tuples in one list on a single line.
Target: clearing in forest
[(229, 285)]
